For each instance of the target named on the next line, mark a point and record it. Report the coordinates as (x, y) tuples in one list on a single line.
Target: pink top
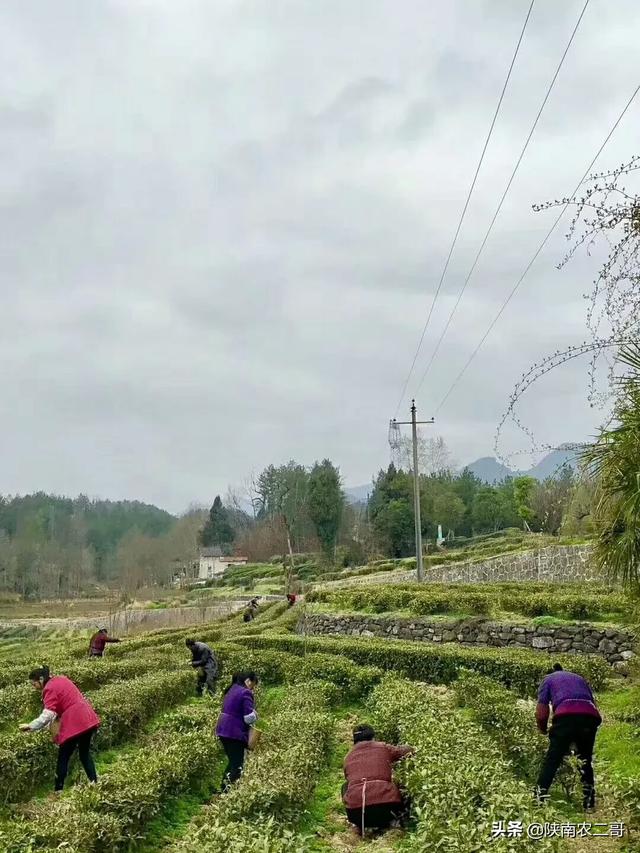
[(74, 710)]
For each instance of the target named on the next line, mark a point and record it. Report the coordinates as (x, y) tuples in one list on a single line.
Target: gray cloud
[(221, 226)]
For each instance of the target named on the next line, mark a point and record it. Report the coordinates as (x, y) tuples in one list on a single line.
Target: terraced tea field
[(468, 712)]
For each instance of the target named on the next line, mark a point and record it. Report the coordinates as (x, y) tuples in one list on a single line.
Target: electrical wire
[(464, 209), (535, 256), (502, 200)]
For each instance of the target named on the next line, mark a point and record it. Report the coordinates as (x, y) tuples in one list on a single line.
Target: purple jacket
[(568, 693), (238, 703)]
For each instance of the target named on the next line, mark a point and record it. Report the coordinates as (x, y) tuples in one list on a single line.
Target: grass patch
[(324, 817), (172, 821), (621, 705), (618, 745)]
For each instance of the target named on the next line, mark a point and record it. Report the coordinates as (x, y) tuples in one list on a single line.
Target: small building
[(214, 562), (184, 572)]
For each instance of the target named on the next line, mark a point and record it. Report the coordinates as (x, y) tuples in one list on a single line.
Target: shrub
[(168, 639), (278, 780), (566, 605), (458, 781), (237, 836), (103, 818), (495, 708), (478, 599), (280, 667), (23, 700), (268, 616), (520, 669), (124, 708), (279, 777)]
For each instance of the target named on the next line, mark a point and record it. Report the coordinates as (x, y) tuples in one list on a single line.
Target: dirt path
[(326, 820)]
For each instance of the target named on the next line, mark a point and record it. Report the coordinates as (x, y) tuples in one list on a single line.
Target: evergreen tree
[(326, 505), (487, 510), (217, 529), (394, 526), (523, 489), (391, 510)]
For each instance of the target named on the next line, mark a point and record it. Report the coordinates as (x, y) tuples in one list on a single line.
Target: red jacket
[(372, 761), (74, 711), (98, 642)]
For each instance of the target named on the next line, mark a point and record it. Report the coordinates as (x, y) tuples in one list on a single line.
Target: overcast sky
[(222, 223)]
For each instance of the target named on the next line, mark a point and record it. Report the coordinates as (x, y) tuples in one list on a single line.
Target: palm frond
[(614, 459), (629, 355)]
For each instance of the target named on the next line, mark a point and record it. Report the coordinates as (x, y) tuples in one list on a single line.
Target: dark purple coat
[(568, 693), (238, 703)]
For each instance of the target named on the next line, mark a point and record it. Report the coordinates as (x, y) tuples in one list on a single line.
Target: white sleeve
[(250, 718), (45, 719)]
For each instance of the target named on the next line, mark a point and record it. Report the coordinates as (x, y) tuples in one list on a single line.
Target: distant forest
[(55, 547), (52, 545)]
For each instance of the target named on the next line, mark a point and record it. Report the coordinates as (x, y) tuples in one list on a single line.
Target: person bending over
[(99, 641), (371, 797), (204, 660), (74, 717), (575, 721)]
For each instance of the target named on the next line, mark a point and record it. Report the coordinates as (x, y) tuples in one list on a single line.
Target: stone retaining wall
[(614, 645), (556, 564)]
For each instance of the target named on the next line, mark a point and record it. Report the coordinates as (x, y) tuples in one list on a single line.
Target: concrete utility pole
[(416, 483)]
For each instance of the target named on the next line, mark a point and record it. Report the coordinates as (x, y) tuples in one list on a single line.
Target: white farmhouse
[(213, 563)]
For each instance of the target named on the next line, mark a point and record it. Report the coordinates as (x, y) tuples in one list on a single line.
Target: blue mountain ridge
[(489, 470)]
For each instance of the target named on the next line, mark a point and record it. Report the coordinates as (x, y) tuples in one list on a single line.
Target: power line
[(464, 209), (535, 256), (504, 195)]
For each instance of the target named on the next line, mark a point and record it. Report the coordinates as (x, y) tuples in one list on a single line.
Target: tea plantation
[(468, 712)]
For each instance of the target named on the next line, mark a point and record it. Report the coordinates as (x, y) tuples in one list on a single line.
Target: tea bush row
[(20, 702), (126, 706), (168, 637), (124, 654), (182, 752), (22, 699), (107, 817), (347, 680), (238, 836), (458, 781), (283, 620), (498, 712), (264, 619), (64, 651), (424, 600), (496, 709), (30, 652), (278, 781), (28, 760), (380, 599), (520, 669), (492, 588)]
